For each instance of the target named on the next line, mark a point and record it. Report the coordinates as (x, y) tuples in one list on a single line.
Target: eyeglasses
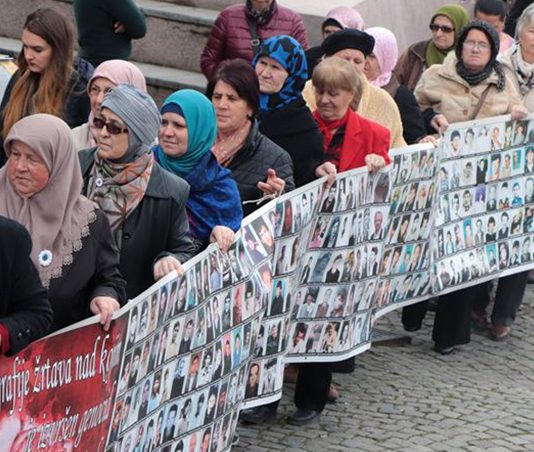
[(443, 28), (480, 44), (112, 128)]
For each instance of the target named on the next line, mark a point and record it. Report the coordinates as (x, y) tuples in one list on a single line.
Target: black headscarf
[(474, 78)]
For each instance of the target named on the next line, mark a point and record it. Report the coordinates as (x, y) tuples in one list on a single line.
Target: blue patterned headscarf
[(287, 52), (199, 116)]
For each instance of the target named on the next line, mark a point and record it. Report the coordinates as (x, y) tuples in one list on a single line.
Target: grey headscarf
[(140, 114)]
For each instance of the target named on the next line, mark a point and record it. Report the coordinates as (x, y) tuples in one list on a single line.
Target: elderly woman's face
[(443, 37), (354, 57), (100, 86), (26, 170), (271, 75), (37, 52), (332, 103), (372, 68), (112, 146), (476, 50), (173, 136), (232, 111), (526, 37)]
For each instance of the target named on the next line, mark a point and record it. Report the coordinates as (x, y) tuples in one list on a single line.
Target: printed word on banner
[(59, 393), (188, 350)]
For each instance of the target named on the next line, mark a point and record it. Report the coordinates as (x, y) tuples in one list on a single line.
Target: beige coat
[(375, 104), (443, 90), (81, 137), (508, 62)]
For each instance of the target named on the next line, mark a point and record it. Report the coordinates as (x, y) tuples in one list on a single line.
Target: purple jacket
[(230, 36)]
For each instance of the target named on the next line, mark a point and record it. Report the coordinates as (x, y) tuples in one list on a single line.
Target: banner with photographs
[(55, 396), (307, 277), (188, 349), (485, 211)]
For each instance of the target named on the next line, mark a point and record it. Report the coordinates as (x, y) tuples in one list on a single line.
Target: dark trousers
[(413, 315), (510, 291), (313, 384), (452, 325)]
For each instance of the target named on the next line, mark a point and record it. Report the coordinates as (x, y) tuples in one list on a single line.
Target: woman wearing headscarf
[(282, 72), (186, 136), (107, 75), (258, 165), (379, 71), (445, 25), (469, 84), (336, 19), (73, 249), (145, 204)]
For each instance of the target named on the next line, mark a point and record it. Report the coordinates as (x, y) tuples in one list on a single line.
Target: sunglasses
[(443, 28), (112, 128)]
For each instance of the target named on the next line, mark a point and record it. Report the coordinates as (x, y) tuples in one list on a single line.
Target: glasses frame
[(444, 28), (112, 128)]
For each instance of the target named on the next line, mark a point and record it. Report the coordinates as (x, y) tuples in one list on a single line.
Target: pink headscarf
[(346, 17), (117, 72), (386, 52)]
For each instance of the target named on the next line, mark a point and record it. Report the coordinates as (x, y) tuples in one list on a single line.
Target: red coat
[(230, 35), (362, 137)]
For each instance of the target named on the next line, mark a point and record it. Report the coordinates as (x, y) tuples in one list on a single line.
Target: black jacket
[(24, 307), (158, 226), (413, 125), (294, 129), (94, 272), (77, 105), (250, 165)]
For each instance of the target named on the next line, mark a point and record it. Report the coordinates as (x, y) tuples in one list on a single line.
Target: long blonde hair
[(44, 92)]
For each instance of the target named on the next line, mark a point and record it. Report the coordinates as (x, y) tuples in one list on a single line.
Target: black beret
[(348, 38)]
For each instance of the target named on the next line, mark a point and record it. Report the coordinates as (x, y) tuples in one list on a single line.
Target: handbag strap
[(480, 102), (255, 41)]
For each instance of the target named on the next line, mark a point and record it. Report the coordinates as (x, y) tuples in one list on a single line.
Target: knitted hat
[(137, 110)]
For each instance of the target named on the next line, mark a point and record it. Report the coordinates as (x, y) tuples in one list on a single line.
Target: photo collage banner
[(307, 277)]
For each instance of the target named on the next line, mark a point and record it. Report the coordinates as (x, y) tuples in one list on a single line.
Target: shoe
[(444, 350), (479, 320), (291, 373), (303, 416), (411, 328), (257, 415), (530, 278), (333, 393), (499, 332)]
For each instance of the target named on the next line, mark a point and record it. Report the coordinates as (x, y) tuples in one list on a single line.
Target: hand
[(429, 139), (374, 162), (327, 169), (166, 265), (223, 236), (439, 123), (105, 306), (119, 28), (519, 112), (273, 184)]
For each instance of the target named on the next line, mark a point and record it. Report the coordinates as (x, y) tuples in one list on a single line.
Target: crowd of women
[(116, 193)]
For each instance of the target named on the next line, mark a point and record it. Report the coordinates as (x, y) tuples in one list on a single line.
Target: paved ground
[(408, 398)]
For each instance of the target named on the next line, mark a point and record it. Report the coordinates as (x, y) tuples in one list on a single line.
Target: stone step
[(161, 80)]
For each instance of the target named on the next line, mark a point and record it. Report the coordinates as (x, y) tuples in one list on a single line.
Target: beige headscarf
[(57, 217)]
